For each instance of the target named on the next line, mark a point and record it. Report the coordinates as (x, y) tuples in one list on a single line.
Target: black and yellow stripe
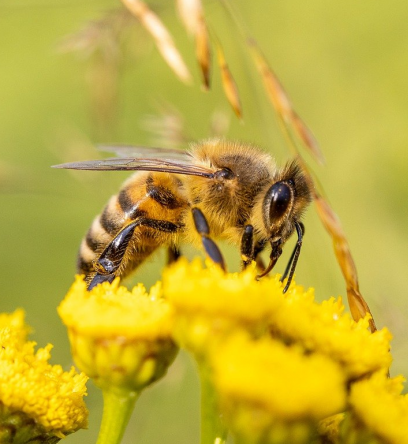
[(153, 197)]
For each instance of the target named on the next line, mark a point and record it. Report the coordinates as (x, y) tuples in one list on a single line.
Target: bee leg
[(111, 258), (99, 278), (209, 245), (247, 246), (250, 250), (300, 229), (173, 253), (259, 247), (275, 255)]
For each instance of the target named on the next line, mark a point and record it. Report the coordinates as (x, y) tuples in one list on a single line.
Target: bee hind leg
[(109, 261), (209, 245), (99, 279)]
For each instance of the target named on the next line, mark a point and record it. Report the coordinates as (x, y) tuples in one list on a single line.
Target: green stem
[(117, 408), (212, 429)]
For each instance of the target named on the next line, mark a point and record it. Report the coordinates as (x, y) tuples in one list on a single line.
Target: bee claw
[(99, 279)]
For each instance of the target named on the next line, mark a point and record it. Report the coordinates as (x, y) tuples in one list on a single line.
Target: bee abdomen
[(102, 231), (155, 200), (91, 246), (84, 266), (109, 222)]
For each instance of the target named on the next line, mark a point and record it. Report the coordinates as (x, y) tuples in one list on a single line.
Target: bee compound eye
[(280, 199)]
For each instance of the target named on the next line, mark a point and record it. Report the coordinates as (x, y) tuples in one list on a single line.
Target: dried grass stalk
[(228, 83), (203, 51), (307, 137), (291, 120), (190, 12), (161, 36), (282, 104), (192, 16), (358, 306)]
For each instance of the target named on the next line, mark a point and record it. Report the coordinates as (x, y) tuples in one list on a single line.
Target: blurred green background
[(345, 66)]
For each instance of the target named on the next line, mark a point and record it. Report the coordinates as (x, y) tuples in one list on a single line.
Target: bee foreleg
[(209, 245), (247, 246), (300, 228), (273, 258), (259, 247)]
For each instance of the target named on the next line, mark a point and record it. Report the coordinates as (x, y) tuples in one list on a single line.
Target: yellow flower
[(269, 389), (209, 303), (120, 338), (37, 400), (329, 428), (378, 404), (327, 329), (15, 322), (293, 368)]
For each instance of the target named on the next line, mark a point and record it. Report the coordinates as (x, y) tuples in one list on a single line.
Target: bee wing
[(142, 164), (146, 152)]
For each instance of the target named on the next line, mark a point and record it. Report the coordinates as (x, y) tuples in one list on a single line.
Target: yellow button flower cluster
[(120, 338), (273, 392), (326, 328), (209, 303), (280, 365), (37, 400), (274, 368), (123, 340), (379, 405)]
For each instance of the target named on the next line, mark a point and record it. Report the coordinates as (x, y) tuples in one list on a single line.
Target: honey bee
[(217, 190)]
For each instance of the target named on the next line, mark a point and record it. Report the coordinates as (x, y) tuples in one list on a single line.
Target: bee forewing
[(145, 152), (132, 164)]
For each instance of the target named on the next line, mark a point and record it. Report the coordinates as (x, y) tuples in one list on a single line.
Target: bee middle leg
[(209, 245), (173, 254), (247, 246), (111, 258)]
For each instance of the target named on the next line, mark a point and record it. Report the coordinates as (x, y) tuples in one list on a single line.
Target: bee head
[(285, 201), (282, 207)]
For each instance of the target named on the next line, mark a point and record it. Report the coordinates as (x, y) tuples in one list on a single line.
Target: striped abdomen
[(145, 197)]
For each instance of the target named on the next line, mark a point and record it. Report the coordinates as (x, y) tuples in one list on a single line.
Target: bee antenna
[(290, 268)]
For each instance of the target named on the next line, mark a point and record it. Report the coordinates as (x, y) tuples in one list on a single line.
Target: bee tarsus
[(300, 229), (99, 279), (203, 229)]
